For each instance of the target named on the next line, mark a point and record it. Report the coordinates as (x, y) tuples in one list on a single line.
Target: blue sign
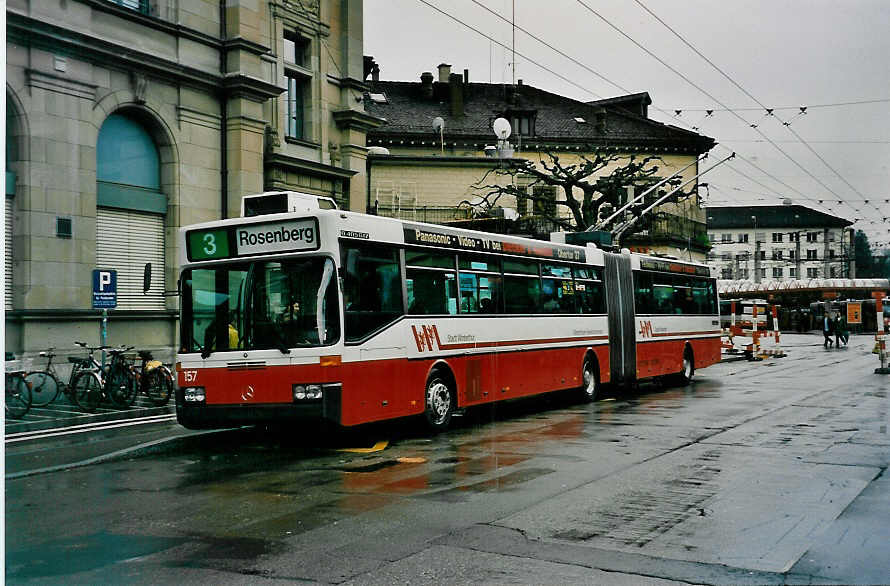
[(104, 288)]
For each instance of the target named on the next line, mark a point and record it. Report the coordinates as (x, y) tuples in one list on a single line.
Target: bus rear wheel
[(590, 381), (439, 401)]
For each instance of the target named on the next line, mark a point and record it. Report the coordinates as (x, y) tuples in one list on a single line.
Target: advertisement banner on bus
[(441, 238)]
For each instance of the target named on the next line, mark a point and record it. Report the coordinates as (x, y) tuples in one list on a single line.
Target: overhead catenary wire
[(770, 111), (777, 108), (790, 188), (508, 48), (704, 91)]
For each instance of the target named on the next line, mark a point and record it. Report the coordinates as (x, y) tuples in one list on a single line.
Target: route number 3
[(209, 244)]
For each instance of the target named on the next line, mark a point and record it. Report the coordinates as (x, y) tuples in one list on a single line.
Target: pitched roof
[(409, 112), (772, 216)]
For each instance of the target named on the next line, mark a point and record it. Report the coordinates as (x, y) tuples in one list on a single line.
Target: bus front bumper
[(198, 415)]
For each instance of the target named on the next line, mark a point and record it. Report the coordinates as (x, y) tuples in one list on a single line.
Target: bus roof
[(360, 226)]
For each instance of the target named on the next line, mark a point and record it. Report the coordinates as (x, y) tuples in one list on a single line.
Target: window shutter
[(7, 255), (125, 241)]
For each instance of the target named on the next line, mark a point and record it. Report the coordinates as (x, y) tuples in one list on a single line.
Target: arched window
[(130, 210)]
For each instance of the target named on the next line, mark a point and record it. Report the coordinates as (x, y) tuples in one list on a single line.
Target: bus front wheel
[(439, 403), (590, 380)]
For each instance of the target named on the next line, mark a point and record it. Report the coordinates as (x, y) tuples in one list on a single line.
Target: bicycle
[(45, 384), (120, 384), (153, 378), (18, 392), (86, 383)]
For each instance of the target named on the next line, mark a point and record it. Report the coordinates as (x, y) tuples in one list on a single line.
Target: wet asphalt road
[(762, 473)]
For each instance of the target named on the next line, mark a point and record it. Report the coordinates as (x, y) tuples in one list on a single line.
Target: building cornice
[(308, 167), (240, 85), (536, 144), (356, 119), (35, 33), (438, 161), (242, 44), (131, 15), (32, 32)]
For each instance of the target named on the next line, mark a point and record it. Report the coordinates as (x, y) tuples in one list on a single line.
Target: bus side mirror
[(146, 278)]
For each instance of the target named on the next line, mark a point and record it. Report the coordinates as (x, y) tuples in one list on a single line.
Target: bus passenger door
[(620, 305)]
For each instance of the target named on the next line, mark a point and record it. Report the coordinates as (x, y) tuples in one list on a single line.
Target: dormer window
[(522, 122)]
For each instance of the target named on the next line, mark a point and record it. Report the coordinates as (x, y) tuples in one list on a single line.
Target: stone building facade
[(779, 243), (127, 119)]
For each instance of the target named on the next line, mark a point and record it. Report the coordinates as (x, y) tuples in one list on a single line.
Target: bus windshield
[(260, 305)]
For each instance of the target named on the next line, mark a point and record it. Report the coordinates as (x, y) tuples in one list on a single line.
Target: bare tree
[(600, 191)]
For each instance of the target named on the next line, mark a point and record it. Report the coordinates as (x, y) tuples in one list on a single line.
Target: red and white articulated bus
[(323, 314)]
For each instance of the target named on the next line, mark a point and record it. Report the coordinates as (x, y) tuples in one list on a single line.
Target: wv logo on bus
[(425, 336), (646, 329)]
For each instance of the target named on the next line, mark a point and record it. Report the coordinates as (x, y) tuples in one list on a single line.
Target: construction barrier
[(752, 323)]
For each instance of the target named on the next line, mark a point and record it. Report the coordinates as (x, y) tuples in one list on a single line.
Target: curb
[(140, 449), (74, 418)]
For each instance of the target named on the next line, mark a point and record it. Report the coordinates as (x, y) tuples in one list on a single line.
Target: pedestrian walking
[(836, 326), (827, 330)]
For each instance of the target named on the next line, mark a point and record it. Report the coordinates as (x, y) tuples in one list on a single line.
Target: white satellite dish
[(501, 128), (438, 124)]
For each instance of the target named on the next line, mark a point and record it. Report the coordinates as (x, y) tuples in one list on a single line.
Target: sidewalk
[(62, 414)]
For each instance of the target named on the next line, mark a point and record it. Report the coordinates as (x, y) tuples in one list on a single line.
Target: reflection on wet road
[(744, 469)]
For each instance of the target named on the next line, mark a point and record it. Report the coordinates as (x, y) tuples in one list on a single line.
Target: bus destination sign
[(674, 267), (252, 239), (443, 239)]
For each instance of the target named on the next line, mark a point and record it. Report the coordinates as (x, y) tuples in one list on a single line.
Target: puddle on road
[(501, 483), (82, 553)]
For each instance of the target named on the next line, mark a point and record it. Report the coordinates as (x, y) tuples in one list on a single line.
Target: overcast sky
[(781, 54)]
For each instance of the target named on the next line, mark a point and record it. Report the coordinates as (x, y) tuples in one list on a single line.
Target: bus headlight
[(193, 394), (307, 392)]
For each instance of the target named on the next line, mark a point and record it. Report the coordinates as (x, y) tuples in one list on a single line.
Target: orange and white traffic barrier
[(881, 339)]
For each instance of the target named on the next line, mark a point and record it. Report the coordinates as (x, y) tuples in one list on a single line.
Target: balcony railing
[(673, 229), (429, 214)]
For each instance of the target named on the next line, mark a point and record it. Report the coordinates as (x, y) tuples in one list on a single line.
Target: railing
[(429, 214), (677, 229)]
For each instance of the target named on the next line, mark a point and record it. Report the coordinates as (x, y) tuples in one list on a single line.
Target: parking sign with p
[(104, 288)]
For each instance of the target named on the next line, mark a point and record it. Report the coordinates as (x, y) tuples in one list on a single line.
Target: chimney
[(426, 84), (456, 90), (466, 76), (444, 72)]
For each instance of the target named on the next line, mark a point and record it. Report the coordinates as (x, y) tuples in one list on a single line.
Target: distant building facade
[(779, 243), (427, 173), (127, 119)]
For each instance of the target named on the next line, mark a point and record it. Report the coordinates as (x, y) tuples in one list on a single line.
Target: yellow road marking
[(378, 447)]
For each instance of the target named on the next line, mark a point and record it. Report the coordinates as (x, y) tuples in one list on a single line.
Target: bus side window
[(430, 292), (643, 294), (372, 288)]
